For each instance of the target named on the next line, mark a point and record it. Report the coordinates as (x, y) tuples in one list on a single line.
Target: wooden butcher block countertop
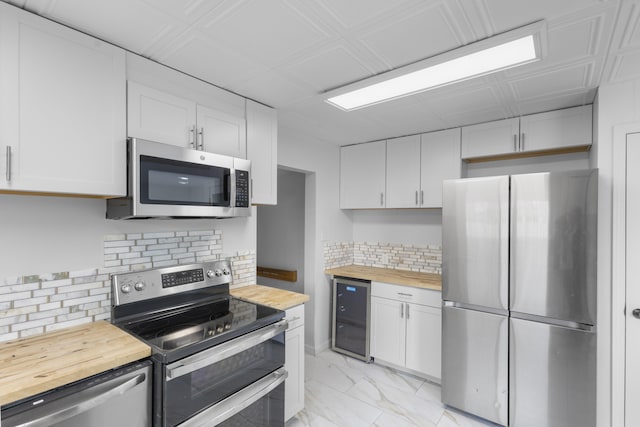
[(273, 297), (388, 275), (33, 365)]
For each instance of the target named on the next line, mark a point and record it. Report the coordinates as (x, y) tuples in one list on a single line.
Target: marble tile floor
[(342, 391)]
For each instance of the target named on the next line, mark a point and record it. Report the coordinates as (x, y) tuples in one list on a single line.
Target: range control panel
[(153, 283)]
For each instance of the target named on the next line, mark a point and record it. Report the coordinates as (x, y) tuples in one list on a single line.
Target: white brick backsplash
[(33, 304), (422, 258)]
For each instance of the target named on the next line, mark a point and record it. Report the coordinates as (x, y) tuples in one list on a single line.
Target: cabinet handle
[(405, 294), (522, 142), (8, 163), (201, 133), (192, 137), (416, 197), (407, 311), (381, 199), (402, 310), (421, 197), (515, 142)]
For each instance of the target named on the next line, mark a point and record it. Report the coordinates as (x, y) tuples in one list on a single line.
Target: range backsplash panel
[(33, 304)]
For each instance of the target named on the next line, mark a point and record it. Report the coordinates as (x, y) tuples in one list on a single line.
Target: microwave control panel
[(242, 188)]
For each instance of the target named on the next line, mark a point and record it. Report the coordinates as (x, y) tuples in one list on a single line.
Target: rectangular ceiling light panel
[(441, 71)]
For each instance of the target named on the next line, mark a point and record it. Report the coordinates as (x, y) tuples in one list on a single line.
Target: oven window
[(171, 182), (190, 393)]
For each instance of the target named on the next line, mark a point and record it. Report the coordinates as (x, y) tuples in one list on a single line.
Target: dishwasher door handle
[(82, 405)]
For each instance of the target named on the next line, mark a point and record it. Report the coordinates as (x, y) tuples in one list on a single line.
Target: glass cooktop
[(183, 327)]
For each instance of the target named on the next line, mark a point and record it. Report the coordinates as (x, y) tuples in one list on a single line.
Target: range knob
[(226, 271), (218, 272), (219, 328), (126, 288), (139, 286), (210, 274)]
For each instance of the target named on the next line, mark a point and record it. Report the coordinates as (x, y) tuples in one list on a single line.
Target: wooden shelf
[(278, 274)]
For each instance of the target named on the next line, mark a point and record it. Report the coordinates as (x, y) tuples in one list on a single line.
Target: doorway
[(281, 235), (632, 276)]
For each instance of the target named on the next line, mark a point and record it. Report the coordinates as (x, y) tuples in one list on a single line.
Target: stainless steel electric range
[(217, 360)]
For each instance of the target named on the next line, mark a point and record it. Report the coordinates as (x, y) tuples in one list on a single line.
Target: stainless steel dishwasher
[(351, 316), (120, 397)]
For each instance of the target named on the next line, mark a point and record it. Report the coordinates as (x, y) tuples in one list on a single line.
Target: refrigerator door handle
[(554, 322), (483, 309)]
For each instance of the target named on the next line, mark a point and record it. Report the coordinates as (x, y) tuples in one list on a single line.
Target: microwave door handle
[(227, 187), (235, 403), (82, 405)]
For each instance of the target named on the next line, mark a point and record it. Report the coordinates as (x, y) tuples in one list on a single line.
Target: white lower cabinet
[(294, 362), (406, 328)]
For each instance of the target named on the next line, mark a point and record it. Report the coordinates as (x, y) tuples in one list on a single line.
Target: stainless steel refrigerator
[(519, 298)]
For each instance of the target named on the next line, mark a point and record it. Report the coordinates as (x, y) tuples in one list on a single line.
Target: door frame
[(618, 272)]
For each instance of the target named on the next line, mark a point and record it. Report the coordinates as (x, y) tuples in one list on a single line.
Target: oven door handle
[(235, 403), (225, 350)]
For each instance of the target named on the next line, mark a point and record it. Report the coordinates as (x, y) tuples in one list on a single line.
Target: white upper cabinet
[(362, 175), (490, 139), (221, 133), (403, 172), (553, 132), (556, 130), (262, 150), (163, 117), (440, 160), (416, 165), (62, 109)]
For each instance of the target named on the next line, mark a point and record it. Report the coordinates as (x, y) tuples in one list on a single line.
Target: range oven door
[(242, 377)]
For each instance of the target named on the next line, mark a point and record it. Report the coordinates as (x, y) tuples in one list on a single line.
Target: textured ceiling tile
[(508, 14), (267, 31), (197, 55), (328, 68), (413, 36), (558, 81), (117, 21)]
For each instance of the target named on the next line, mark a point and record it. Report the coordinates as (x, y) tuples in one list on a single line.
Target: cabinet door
[(403, 172), (424, 337), (161, 117), (221, 133), (262, 150), (362, 175), (555, 130), (490, 139), (294, 364), (388, 330), (61, 110), (440, 160)]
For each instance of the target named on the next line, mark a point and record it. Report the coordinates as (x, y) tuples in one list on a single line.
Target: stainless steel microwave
[(167, 181)]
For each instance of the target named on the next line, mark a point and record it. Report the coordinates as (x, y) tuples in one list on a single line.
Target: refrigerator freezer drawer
[(475, 241), (552, 376), (474, 363)]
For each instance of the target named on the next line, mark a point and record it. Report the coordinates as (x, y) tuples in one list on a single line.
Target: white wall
[(54, 234), (281, 231), (403, 226), (324, 222), (618, 107)]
